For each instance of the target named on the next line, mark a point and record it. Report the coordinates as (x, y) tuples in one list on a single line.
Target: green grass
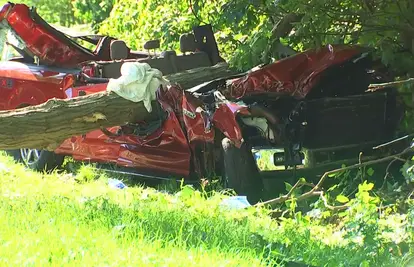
[(78, 220), (55, 220)]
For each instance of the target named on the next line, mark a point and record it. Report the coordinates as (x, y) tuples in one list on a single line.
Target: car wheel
[(240, 171), (39, 160)]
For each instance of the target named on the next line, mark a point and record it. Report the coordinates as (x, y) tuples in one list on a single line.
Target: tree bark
[(280, 30), (46, 125)]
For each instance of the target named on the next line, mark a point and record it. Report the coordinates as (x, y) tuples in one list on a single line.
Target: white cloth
[(138, 82)]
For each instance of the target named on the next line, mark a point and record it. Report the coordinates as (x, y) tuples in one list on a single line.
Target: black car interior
[(167, 62), (198, 49)]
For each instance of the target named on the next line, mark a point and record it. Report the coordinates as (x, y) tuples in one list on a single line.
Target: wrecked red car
[(308, 109)]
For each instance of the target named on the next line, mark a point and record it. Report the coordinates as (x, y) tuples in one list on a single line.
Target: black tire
[(240, 171), (47, 160)]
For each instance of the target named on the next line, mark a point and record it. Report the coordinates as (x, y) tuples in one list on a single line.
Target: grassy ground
[(54, 220), (78, 220)]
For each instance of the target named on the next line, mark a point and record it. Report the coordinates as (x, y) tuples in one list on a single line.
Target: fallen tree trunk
[(46, 125), (194, 77)]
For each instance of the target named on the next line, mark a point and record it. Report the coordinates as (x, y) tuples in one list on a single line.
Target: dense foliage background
[(244, 27)]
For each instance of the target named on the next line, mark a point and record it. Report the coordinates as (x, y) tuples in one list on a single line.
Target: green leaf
[(292, 205), (288, 186), (370, 172), (332, 188), (187, 192), (298, 216), (326, 214), (342, 214), (302, 180), (342, 199), (365, 187)]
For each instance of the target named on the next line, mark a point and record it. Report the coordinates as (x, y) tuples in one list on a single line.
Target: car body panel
[(43, 41), (294, 76), (29, 84), (51, 46), (197, 123), (224, 119), (166, 150)]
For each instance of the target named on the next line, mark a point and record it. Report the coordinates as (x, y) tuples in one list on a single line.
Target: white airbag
[(138, 82)]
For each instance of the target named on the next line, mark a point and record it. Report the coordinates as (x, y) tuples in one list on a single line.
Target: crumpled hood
[(294, 76)]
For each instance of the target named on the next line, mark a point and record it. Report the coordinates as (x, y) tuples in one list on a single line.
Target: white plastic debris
[(236, 202), (138, 82), (4, 168), (116, 184)]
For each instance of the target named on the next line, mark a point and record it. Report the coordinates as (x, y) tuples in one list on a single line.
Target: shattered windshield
[(10, 43), (78, 36)]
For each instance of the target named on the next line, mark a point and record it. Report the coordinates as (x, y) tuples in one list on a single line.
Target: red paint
[(90, 71), (89, 89), (224, 119), (294, 75), (43, 42), (30, 84), (166, 150), (94, 146), (198, 124), (49, 44)]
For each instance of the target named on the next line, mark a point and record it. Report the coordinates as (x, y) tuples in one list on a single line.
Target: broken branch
[(379, 86)]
